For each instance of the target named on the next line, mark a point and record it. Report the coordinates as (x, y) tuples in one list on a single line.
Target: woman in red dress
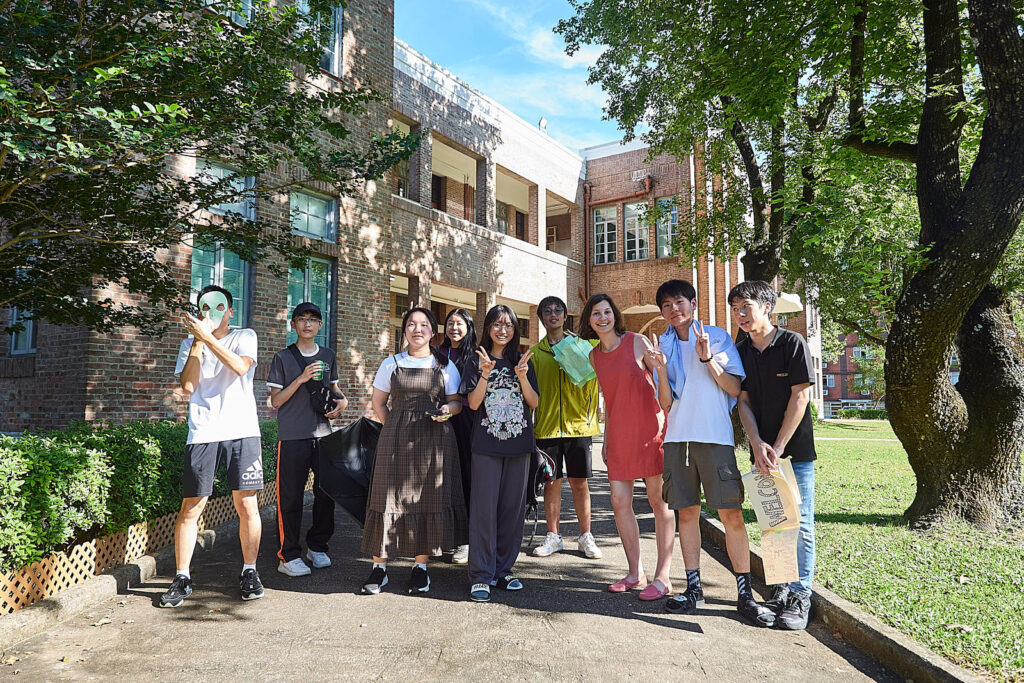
[(634, 430)]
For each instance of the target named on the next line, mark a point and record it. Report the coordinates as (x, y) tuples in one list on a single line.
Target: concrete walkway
[(563, 626)]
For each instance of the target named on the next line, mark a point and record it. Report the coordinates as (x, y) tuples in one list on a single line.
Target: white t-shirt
[(382, 380), (223, 406), (700, 408)]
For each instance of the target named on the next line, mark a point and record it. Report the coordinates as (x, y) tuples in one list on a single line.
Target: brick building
[(489, 209)]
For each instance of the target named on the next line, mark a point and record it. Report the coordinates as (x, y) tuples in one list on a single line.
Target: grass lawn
[(958, 591)]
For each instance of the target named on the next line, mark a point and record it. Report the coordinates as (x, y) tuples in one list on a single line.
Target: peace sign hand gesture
[(702, 344), (654, 359), (522, 367), (486, 363)]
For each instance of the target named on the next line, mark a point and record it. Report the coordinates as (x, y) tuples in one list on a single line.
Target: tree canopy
[(880, 145), (99, 98)]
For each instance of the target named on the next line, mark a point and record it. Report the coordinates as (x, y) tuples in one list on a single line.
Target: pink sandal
[(623, 585), (652, 592)]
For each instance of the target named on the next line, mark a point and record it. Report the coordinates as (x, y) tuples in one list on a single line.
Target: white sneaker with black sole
[(294, 567)]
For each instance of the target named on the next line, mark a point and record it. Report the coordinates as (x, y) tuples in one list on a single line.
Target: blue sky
[(507, 50)]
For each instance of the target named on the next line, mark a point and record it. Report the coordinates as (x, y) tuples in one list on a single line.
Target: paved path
[(563, 626)]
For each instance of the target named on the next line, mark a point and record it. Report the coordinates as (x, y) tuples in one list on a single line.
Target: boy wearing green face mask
[(216, 366)]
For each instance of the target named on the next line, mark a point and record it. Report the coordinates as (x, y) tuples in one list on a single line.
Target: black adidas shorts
[(244, 460)]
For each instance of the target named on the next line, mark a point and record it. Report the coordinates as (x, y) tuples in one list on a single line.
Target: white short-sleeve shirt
[(223, 406), (382, 380)]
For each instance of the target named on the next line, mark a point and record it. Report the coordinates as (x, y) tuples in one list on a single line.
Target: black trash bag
[(346, 465)]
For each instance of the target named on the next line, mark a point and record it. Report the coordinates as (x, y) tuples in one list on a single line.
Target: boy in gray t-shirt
[(293, 372)]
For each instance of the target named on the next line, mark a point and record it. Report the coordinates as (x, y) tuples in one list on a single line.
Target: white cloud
[(548, 93), (540, 41)]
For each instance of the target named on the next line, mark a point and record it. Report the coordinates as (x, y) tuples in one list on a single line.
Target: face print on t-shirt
[(503, 404)]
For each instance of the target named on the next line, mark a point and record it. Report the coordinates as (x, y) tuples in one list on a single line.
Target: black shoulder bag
[(320, 396)]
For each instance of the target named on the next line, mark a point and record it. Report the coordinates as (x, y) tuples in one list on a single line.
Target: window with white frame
[(240, 204), (24, 340), (604, 235), (830, 381), (667, 224), (212, 264), (638, 232), (313, 215), (313, 282)]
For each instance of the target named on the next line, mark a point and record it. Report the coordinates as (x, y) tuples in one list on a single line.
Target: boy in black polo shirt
[(774, 407), (299, 430)]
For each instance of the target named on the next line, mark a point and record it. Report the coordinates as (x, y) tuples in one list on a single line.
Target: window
[(25, 340), (401, 304), (667, 225), (520, 225), (313, 215), (330, 60), (830, 381), (402, 178), (501, 212), (954, 376), (638, 233), (240, 204), (782, 319), (312, 283), (469, 202), (215, 265), (604, 235), (524, 329), (246, 14), (439, 192)]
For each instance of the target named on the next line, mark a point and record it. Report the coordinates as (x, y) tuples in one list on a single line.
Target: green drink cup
[(319, 374)]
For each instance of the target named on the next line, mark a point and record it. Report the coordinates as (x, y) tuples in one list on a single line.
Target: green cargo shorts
[(690, 465)]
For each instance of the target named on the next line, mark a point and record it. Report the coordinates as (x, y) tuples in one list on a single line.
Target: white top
[(223, 407), (382, 380), (700, 408)]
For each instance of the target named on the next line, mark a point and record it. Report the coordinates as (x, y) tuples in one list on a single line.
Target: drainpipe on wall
[(586, 241)]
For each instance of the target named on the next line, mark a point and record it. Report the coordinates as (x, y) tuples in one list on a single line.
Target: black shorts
[(244, 460), (573, 451)]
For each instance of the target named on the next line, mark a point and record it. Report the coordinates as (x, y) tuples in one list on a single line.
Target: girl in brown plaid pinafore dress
[(415, 507)]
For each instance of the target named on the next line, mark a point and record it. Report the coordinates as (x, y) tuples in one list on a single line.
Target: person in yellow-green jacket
[(565, 422)]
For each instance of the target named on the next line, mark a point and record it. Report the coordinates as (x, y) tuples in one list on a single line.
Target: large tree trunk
[(762, 261), (963, 442)]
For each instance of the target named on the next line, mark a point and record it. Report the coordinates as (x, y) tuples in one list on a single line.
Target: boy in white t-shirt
[(216, 366), (705, 371)]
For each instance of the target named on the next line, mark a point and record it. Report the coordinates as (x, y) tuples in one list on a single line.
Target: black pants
[(295, 458)]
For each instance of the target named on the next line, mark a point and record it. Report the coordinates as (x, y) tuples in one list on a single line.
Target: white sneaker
[(551, 545), (319, 560), (461, 555), (295, 567), (588, 546)]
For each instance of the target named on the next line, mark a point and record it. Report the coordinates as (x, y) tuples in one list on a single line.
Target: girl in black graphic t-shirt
[(501, 387)]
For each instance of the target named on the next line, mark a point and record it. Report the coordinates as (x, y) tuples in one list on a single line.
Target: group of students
[(462, 420)]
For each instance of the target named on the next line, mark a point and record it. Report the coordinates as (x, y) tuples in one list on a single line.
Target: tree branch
[(753, 169), (900, 151)]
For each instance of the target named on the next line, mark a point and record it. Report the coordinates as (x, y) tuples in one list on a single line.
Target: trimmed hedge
[(864, 413), (61, 487)]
